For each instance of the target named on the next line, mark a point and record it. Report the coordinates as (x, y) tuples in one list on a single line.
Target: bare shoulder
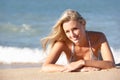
[(96, 35), (60, 44), (63, 46)]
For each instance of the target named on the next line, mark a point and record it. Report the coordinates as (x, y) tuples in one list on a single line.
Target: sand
[(36, 74)]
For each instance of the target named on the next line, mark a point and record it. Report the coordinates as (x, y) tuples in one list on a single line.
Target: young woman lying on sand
[(82, 47)]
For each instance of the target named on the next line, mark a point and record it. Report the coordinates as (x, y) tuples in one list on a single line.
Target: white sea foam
[(27, 55), (24, 55), (116, 54)]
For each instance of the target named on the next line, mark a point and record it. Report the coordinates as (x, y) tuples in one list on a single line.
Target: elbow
[(111, 65), (108, 65)]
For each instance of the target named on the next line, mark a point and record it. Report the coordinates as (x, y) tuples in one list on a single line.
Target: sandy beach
[(36, 74), (23, 23)]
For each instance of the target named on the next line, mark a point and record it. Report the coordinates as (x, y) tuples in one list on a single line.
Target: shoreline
[(19, 65), (28, 65)]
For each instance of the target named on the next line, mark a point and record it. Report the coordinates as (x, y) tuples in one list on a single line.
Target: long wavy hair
[(57, 33)]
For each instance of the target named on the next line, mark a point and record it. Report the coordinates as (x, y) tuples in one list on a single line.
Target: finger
[(62, 70), (67, 70)]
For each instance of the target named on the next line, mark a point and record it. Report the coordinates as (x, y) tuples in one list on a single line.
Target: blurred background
[(24, 22)]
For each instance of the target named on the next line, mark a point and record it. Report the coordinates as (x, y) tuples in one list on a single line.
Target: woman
[(82, 48)]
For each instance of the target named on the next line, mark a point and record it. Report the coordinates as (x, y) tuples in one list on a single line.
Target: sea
[(23, 23)]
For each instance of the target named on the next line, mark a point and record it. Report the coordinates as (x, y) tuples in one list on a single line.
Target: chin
[(76, 42)]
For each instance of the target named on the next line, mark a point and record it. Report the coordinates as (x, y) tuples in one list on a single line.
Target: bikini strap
[(73, 49), (72, 53), (92, 56)]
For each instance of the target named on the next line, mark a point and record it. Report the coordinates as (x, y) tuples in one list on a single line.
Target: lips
[(75, 40)]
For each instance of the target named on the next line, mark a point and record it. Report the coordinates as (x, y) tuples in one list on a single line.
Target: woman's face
[(75, 31)]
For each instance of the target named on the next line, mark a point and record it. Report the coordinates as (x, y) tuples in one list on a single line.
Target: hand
[(73, 66), (87, 69)]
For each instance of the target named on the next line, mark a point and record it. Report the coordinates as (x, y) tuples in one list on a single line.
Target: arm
[(93, 65), (49, 64), (99, 64), (108, 60), (55, 52)]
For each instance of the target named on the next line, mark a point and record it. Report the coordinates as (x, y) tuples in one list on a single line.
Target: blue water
[(24, 22)]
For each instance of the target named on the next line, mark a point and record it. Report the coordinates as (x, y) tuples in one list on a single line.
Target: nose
[(72, 34)]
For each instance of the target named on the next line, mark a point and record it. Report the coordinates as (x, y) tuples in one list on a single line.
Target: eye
[(75, 28), (67, 31)]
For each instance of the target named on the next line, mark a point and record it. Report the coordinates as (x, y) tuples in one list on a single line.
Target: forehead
[(71, 23)]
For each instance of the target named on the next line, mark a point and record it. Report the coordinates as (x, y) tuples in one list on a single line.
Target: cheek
[(77, 32), (67, 35)]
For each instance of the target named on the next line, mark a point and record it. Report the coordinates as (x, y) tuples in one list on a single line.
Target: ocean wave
[(9, 27), (24, 29), (116, 54), (20, 55), (34, 55)]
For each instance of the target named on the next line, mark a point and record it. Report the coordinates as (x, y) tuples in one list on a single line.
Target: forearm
[(99, 64), (52, 68), (74, 66)]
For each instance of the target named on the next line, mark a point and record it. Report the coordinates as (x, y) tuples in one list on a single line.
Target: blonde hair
[(57, 33)]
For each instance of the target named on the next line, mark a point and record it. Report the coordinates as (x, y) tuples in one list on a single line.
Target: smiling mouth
[(75, 40)]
